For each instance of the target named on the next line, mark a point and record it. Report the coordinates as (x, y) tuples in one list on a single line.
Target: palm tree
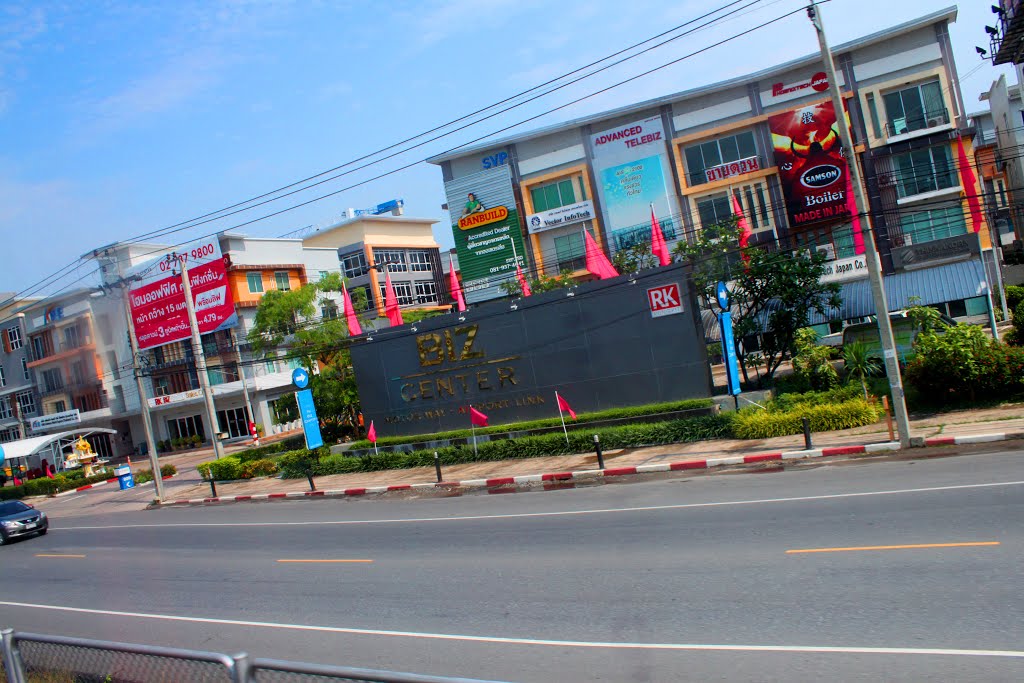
[(859, 363)]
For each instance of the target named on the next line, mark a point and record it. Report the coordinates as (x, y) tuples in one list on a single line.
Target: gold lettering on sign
[(482, 380), (444, 384), (506, 374), (467, 349), (429, 348)]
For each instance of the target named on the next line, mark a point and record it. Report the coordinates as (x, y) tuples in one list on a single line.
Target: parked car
[(19, 519), (903, 331)]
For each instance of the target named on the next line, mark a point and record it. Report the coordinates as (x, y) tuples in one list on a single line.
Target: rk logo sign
[(665, 300)]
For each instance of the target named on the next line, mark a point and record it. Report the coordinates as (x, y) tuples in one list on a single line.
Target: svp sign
[(159, 314)]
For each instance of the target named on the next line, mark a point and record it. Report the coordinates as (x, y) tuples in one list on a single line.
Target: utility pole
[(197, 344), (874, 263), (997, 251), (241, 376), (147, 420)]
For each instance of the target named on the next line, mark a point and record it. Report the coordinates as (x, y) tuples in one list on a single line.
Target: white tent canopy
[(25, 448)]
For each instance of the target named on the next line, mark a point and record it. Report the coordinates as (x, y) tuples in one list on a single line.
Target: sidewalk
[(1005, 419)]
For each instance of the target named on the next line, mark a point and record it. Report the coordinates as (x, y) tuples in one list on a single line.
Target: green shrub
[(1014, 296), (812, 361), (142, 476), (581, 418), (757, 423), (812, 398), (1015, 337), (224, 469), (258, 468)]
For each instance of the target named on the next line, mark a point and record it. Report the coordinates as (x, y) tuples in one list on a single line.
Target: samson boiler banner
[(812, 165)]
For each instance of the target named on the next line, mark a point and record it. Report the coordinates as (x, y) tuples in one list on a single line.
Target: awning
[(24, 448), (951, 282)]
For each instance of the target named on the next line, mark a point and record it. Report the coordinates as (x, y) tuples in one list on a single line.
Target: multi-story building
[(19, 401), (766, 142)]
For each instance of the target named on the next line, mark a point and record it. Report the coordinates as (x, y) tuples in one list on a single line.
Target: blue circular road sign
[(300, 378), (722, 294), (1, 455)]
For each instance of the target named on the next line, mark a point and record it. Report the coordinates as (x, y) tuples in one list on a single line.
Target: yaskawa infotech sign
[(563, 215)]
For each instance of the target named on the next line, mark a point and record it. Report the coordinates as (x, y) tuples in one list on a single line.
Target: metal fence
[(34, 658)]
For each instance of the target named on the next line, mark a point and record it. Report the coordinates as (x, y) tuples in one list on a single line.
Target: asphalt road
[(681, 579)]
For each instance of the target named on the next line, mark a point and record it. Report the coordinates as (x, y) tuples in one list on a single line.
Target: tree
[(635, 258), (541, 283), (773, 292), (859, 363), (813, 362), (288, 320)]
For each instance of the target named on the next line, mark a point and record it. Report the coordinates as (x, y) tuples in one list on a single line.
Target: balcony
[(1007, 45), (912, 126), (66, 347)]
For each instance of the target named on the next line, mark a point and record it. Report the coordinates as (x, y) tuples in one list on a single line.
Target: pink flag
[(523, 284), (969, 181), (658, 245), (597, 262), (371, 433), (564, 406), (350, 313), (454, 286), (477, 418), (742, 223), (391, 303), (851, 206)]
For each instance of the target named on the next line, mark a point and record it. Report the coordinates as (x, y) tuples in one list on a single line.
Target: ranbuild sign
[(600, 348)]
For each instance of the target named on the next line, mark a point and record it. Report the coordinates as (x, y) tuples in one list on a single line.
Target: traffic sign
[(310, 421), (300, 378), (722, 294)]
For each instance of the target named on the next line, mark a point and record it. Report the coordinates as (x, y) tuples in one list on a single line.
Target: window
[(5, 408), (570, 252), (161, 386), (3, 380), (925, 226), (426, 292), (24, 368), (395, 258), (419, 262), (1000, 195), (8, 435), (924, 170), (87, 402), (556, 194), (14, 337), (234, 421), (72, 337), (716, 152), (714, 209), (222, 374), (717, 208), (876, 125), (26, 403), (403, 292), (837, 241), (322, 274), (281, 280), (915, 108), (361, 299), (182, 427), (255, 281), (52, 380), (58, 406), (329, 311), (40, 347), (354, 264)]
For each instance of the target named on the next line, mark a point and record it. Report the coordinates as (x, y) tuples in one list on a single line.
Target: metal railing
[(929, 119), (29, 657)]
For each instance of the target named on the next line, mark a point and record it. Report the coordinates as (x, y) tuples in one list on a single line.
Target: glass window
[(426, 292), (977, 305), (52, 380), (26, 403), (924, 170), (395, 258), (361, 299), (24, 368), (234, 421), (184, 427), (419, 261), (281, 280), (329, 311), (72, 339), (842, 238), (59, 406), (3, 380), (724, 150), (354, 264), (5, 408), (925, 226), (570, 252), (915, 108), (255, 280), (14, 337), (403, 292), (558, 193), (714, 209)]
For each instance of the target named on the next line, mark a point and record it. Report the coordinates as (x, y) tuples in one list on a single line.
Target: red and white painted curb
[(556, 480), (971, 439), (100, 483)]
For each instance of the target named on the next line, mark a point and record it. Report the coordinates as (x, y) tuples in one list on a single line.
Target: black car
[(18, 519)]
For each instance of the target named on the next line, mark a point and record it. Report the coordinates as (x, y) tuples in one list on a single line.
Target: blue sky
[(118, 118)]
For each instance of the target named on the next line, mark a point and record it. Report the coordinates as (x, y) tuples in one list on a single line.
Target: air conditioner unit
[(829, 251), (161, 391), (886, 179), (935, 121)]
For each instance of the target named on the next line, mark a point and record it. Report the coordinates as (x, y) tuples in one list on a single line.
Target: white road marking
[(561, 513), (532, 641)]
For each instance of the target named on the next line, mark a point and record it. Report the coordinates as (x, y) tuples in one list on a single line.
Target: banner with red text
[(812, 165), (157, 302)]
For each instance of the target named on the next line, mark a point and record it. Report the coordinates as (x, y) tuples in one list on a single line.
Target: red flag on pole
[(391, 302), (350, 313), (454, 286), (742, 223), (597, 262), (851, 206), (969, 181), (658, 245), (371, 433), (477, 418), (563, 405)]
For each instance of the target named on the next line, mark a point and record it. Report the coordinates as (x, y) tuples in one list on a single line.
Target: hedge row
[(581, 418), (235, 467), (65, 481), (142, 476), (295, 464), (756, 423)]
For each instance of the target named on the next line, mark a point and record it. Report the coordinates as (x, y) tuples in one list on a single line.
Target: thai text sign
[(732, 168)]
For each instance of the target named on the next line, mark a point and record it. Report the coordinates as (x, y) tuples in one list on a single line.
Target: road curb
[(113, 480), (552, 481)]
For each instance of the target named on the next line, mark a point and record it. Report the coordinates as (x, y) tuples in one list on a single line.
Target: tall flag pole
[(476, 418), (658, 245), (371, 435), (454, 286), (558, 402), (524, 286)]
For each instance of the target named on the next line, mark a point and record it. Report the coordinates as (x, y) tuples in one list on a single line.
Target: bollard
[(807, 433), (213, 488), (309, 476), (888, 417), (437, 466), (600, 456)]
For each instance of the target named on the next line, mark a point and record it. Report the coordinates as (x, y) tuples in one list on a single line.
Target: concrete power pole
[(874, 263), (197, 344), (147, 420)]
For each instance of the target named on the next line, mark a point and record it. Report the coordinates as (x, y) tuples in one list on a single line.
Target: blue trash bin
[(124, 477)]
